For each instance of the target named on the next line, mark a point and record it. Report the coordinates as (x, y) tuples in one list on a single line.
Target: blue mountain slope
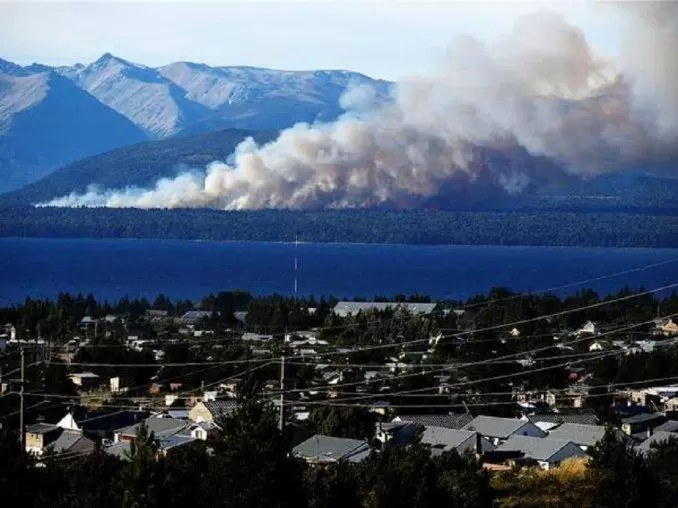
[(46, 122)]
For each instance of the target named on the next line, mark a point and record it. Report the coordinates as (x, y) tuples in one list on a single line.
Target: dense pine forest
[(631, 228)]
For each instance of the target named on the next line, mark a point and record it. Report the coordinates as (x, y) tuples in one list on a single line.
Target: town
[(518, 384)]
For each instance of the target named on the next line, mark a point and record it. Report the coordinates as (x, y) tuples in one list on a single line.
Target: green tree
[(140, 471), (620, 474), (349, 422)]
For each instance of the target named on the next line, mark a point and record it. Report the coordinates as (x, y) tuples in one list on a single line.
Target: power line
[(571, 284), (483, 362)]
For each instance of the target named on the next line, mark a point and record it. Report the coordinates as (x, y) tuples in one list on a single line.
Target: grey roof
[(583, 418), (197, 314), (643, 417), (161, 427), (447, 438), (582, 435), (657, 437), (402, 433), (68, 439), (174, 441), (449, 421), (538, 448), (329, 449), (119, 449), (181, 414), (84, 375), (222, 406), (41, 428), (492, 426), (668, 426), (343, 308)]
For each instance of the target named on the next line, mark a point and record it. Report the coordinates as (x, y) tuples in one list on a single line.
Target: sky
[(387, 39)]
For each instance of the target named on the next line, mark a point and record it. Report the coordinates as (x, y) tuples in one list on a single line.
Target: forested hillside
[(352, 226)]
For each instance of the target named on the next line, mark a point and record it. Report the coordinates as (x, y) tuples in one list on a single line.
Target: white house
[(497, 430), (589, 328)]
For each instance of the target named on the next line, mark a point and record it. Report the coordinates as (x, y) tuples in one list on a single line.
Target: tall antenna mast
[(296, 264)]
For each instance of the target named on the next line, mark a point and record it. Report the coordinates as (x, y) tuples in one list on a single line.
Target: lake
[(41, 267)]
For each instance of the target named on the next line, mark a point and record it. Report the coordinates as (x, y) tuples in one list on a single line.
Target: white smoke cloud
[(499, 117)]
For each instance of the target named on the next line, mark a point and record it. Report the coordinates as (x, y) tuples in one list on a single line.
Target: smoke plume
[(534, 107)]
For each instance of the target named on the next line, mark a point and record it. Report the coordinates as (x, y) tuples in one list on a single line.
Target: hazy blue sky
[(387, 39)]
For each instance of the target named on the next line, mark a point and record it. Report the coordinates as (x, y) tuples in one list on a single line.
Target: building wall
[(34, 442), (199, 413), (568, 451), (529, 429)]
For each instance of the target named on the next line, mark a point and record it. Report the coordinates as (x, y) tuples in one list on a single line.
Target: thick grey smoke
[(531, 108)]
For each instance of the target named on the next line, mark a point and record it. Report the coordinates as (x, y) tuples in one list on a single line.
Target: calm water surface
[(188, 269)]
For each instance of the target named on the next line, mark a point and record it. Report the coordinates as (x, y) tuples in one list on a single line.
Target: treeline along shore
[(538, 227)]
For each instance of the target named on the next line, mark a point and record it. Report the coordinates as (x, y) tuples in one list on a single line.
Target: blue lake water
[(188, 269)]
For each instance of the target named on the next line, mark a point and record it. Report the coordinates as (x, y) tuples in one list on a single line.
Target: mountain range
[(53, 116)]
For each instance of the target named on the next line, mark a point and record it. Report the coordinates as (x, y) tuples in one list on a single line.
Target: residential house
[(321, 449), (256, 337), (656, 438), (162, 428), (84, 379), (397, 433), (447, 421), (39, 436), (303, 336), (642, 423), (210, 411), (599, 345), (442, 440), (193, 316), (72, 442), (583, 436), (497, 430), (344, 309), (667, 426), (155, 314), (668, 328), (202, 430), (121, 449), (547, 452), (102, 425), (549, 421), (589, 328)]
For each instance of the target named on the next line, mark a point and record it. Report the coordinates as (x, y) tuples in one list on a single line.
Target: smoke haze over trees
[(535, 107)]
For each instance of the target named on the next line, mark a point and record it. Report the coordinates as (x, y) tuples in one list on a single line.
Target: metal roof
[(119, 449), (223, 407), (41, 428), (449, 421), (643, 417), (345, 308), (329, 449), (657, 437), (84, 375), (583, 418), (448, 438), (66, 440), (492, 426), (539, 448), (161, 427), (582, 435), (668, 426)]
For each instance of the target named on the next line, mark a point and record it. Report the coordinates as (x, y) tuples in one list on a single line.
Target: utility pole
[(21, 403), (281, 420)]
